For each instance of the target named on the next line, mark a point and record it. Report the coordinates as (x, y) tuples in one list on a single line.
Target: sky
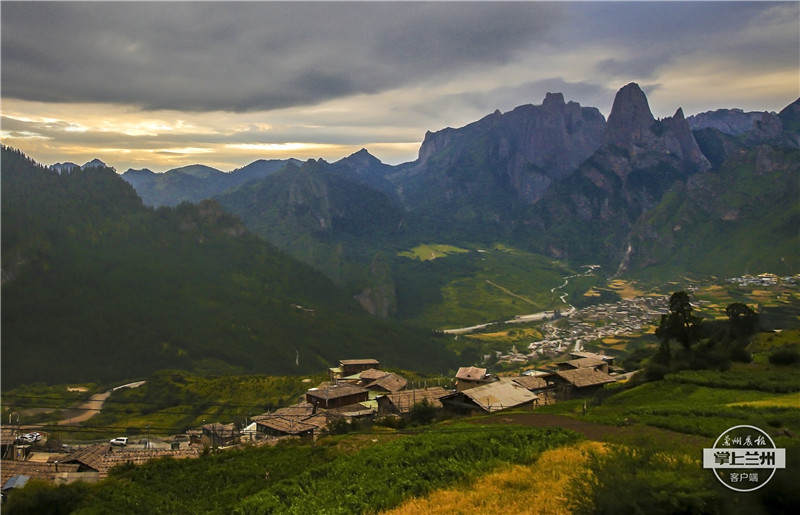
[(160, 85)]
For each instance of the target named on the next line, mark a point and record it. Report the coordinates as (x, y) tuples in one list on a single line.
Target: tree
[(743, 320), (680, 324)]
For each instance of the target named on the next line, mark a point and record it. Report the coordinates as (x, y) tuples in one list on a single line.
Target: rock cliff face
[(589, 214), (525, 150), (635, 140), (728, 121), (377, 295)]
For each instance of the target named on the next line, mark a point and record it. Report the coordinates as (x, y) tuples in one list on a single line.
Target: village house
[(389, 383), (597, 364), (215, 435), (276, 425), (578, 382), (301, 419), (44, 471), (329, 396), (491, 397), (470, 377), (539, 385), (349, 367), (89, 460), (400, 403)]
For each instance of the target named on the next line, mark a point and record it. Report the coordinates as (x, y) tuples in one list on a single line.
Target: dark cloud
[(249, 56)]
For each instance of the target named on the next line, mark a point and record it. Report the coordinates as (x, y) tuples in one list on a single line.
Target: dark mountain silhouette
[(98, 287)]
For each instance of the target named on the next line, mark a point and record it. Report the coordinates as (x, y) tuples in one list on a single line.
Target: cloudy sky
[(161, 85)]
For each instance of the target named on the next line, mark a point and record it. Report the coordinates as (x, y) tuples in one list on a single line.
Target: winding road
[(86, 410), (532, 317)]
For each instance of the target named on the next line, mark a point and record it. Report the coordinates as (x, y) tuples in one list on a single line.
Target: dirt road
[(86, 410)]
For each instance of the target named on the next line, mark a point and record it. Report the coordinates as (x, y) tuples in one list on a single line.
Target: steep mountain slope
[(98, 287), (742, 218), (318, 215), (196, 182)]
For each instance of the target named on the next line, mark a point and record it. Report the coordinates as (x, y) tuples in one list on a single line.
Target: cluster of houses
[(356, 390), (583, 326), (764, 280)]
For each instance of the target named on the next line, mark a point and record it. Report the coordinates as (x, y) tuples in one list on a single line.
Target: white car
[(120, 440), (29, 437)]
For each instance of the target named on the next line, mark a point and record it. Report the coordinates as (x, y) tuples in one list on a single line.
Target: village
[(573, 330), (357, 394)]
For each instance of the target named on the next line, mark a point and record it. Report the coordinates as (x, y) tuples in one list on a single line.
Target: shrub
[(785, 356)]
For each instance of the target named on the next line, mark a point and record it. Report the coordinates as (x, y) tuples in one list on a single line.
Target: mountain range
[(555, 179), (270, 268)]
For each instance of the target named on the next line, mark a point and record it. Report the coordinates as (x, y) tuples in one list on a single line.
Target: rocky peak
[(94, 163), (630, 119), (552, 100), (361, 159)]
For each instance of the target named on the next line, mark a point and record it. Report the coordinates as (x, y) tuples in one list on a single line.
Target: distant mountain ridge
[(96, 287), (197, 182), (556, 179)]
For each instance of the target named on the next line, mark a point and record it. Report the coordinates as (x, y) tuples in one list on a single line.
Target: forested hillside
[(98, 287)]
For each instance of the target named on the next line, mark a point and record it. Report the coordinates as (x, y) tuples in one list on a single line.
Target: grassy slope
[(483, 285)]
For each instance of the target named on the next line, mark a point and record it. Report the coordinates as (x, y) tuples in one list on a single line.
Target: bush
[(785, 356)]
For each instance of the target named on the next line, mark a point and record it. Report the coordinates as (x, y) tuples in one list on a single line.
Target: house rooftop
[(285, 425), (91, 456), (406, 399), (500, 395), (370, 374), (579, 355), (345, 362), (335, 391), (531, 382), (32, 469), (389, 382), (582, 377), (471, 373), (585, 362)]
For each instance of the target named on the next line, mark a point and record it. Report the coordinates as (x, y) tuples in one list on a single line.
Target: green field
[(482, 285)]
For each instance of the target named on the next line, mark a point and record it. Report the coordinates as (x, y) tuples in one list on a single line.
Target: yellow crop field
[(625, 289), (537, 488), (431, 251), (790, 400)]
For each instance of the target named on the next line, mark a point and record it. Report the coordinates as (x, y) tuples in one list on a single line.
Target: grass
[(541, 487), (431, 251), (680, 404), (493, 284)]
